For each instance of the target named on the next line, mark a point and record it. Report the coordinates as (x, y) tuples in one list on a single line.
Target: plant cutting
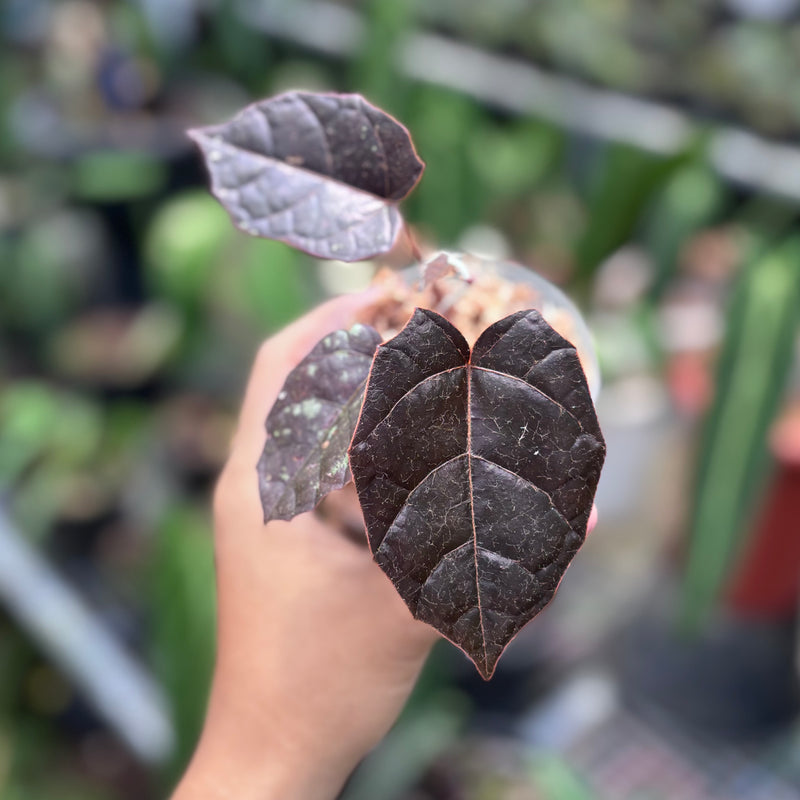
[(474, 448)]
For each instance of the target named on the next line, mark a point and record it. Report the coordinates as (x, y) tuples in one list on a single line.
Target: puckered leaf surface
[(310, 426), (476, 473), (321, 172)]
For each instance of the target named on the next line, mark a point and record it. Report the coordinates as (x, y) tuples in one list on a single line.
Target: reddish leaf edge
[(196, 134), (487, 674)]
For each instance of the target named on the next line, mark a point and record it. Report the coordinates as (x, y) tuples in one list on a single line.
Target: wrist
[(235, 759), (215, 775)]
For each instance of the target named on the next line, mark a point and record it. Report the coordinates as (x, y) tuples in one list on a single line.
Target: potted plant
[(474, 448)]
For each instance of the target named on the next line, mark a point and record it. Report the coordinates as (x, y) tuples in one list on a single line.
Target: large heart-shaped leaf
[(321, 172), (476, 473), (310, 426)]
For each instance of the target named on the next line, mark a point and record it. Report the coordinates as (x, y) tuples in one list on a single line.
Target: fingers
[(277, 357)]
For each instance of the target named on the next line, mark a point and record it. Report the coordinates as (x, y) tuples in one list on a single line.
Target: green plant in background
[(687, 201), (423, 733), (116, 176), (447, 204), (32, 696), (625, 181), (201, 266), (373, 71), (183, 613), (48, 435), (751, 376), (555, 780)]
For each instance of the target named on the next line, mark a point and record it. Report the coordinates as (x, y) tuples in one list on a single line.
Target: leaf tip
[(205, 141), (197, 135)]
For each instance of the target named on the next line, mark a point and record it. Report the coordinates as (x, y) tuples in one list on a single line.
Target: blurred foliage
[(130, 307), (183, 614), (687, 201), (626, 180), (556, 781), (723, 63), (752, 372), (411, 747)]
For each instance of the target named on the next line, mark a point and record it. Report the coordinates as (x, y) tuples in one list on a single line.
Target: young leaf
[(312, 422), (476, 473), (442, 266), (321, 172)]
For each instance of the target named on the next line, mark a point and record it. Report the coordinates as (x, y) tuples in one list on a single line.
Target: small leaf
[(442, 266), (476, 473), (312, 422), (321, 172)]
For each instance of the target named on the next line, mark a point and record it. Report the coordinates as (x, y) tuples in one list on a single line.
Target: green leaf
[(110, 176), (415, 743), (751, 376), (183, 614), (627, 179), (690, 199), (183, 244)]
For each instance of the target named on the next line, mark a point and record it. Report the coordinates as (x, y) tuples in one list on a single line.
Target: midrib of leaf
[(385, 204), (472, 512), (319, 176), (485, 460), (400, 564), (469, 366)]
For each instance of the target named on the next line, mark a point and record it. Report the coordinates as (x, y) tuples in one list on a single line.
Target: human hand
[(317, 653)]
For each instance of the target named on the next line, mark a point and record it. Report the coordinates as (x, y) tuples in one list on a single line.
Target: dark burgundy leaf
[(321, 172), (476, 473), (310, 426)]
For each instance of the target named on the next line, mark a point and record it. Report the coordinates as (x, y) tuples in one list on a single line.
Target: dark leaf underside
[(321, 172), (476, 473), (310, 426)]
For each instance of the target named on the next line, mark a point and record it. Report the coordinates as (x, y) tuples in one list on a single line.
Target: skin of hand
[(316, 652)]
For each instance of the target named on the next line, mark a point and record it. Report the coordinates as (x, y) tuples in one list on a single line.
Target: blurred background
[(642, 154)]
